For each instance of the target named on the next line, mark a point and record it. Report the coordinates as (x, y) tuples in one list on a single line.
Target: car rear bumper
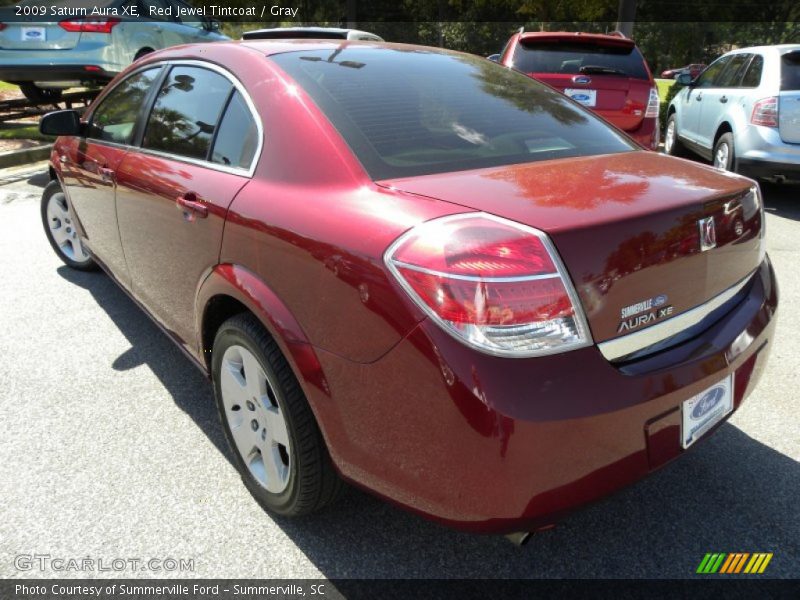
[(61, 72), (760, 152), (496, 445), (648, 134)]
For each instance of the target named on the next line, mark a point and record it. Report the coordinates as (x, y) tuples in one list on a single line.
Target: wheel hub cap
[(255, 419)]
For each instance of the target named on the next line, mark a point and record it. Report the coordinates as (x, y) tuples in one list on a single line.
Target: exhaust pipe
[(519, 538)]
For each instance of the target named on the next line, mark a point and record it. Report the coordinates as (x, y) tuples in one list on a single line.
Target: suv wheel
[(672, 145), (278, 448), (36, 94), (59, 226), (724, 155)]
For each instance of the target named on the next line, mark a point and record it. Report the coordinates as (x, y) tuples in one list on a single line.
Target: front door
[(90, 165)]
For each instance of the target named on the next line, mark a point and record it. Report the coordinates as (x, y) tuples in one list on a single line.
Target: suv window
[(415, 113), (237, 138), (790, 72), (732, 72), (115, 117), (186, 112), (572, 57), (710, 77), (752, 78)]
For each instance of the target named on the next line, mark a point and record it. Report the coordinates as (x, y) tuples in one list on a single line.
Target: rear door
[(609, 77), (724, 93), (89, 166), (789, 98), (173, 195)]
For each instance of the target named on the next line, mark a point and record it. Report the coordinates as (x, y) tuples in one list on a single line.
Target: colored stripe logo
[(733, 563)]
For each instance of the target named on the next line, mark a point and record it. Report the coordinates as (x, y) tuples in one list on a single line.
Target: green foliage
[(671, 92)]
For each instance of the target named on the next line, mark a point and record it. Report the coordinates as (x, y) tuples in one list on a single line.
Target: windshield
[(573, 58), (410, 111)]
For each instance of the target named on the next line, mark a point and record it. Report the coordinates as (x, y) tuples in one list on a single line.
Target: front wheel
[(278, 447), (59, 226), (672, 144), (724, 155)]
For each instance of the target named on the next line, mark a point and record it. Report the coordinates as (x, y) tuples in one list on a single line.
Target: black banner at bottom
[(335, 589)]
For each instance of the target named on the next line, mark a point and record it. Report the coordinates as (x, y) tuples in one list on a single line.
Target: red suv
[(605, 73)]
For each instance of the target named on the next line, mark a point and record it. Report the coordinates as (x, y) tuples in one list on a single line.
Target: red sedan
[(419, 272)]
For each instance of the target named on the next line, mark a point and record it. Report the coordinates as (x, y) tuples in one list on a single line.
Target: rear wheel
[(724, 155), (59, 226), (277, 445), (141, 53), (36, 94), (672, 145)]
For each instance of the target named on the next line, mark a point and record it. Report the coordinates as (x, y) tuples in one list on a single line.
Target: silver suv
[(742, 112)]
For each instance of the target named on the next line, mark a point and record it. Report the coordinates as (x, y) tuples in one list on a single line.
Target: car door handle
[(189, 202), (724, 99)]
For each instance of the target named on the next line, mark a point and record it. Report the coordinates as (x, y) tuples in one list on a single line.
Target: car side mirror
[(60, 122), (213, 25), (684, 79)]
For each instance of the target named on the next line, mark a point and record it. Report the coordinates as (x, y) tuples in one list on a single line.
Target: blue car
[(63, 48)]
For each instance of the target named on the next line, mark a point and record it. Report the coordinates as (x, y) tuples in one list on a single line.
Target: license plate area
[(33, 34), (701, 412), (585, 97)]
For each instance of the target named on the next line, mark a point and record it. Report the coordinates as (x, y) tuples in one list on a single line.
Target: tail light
[(89, 25), (3, 26), (652, 105), (765, 112), (495, 285)]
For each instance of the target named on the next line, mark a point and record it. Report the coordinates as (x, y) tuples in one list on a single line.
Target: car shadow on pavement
[(782, 200), (729, 494), (186, 385)]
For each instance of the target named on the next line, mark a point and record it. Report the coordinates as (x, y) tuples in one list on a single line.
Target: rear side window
[(752, 78), (186, 112), (237, 138), (790, 72), (574, 58), (732, 73), (414, 112), (115, 117)]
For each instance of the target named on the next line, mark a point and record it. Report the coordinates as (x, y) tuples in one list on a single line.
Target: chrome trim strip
[(472, 277), (185, 159), (633, 342)]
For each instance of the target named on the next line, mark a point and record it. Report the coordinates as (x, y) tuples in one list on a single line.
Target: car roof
[(279, 46), (600, 39), (779, 48)]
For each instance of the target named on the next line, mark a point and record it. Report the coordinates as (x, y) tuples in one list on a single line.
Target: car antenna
[(521, 29)]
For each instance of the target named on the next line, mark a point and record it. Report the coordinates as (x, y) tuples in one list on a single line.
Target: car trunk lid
[(627, 226), (789, 98)]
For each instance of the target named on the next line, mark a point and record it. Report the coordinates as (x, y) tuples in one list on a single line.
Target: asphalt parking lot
[(111, 449)]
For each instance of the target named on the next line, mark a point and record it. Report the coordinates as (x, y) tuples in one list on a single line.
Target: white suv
[(742, 112)]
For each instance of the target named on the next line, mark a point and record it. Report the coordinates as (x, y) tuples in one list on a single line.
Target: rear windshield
[(790, 72), (407, 112), (573, 58)]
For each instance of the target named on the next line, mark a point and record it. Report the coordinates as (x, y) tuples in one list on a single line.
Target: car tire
[(141, 53), (672, 143), (724, 155), (58, 220), (277, 446), (36, 94)]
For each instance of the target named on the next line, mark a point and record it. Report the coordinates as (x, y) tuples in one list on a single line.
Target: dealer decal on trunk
[(653, 308)]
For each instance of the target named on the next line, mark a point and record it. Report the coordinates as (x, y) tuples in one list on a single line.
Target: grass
[(25, 132), (5, 87), (663, 88)]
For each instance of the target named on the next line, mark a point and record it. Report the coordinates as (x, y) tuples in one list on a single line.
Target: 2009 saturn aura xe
[(418, 271)]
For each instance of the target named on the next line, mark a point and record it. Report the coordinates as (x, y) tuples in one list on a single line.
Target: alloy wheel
[(61, 222), (255, 418), (669, 137), (721, 157)]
